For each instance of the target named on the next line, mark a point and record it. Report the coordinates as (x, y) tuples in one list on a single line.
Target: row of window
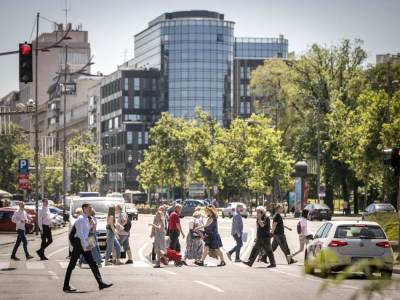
[(211, 47), (110, 88), (202, 22), (245, 108), (110, 106), (142, 137), (244, 90), (141, 118), (259, 54), (194, 84), (198, 75), (199, 37), (137, 102), (196, 94)]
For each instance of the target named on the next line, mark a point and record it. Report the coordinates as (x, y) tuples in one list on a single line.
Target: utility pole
[(36, 125), (65, 130)]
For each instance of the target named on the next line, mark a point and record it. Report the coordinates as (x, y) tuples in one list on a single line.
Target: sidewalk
[(8, 238)]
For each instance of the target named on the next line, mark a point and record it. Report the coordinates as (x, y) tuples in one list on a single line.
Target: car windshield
[(384, 207), (359, 232), (321, 206), (100, 207)]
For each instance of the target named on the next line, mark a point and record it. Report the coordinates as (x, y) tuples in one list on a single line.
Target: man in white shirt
[(20, 218), (81, 246), (44, 221)]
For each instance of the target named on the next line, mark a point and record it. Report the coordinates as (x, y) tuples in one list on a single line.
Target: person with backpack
[(302, 231), (123, 226), (79, 236)]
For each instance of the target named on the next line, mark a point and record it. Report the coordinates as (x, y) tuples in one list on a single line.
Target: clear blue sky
[(112, 24)]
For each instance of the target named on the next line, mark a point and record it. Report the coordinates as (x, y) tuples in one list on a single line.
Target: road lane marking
[(64, 264), (53, 275), (4, 265), (140, 264), (168, 272), (141, 255), (57, 251), (209, 286), (35, 265)]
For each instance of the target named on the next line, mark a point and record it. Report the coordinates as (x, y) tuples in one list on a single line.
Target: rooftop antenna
[(66, 9), (125, 54)]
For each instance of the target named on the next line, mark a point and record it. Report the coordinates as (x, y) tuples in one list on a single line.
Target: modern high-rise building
[(194, 51), (250, 53)]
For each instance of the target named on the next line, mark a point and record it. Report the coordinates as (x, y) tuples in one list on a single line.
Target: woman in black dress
[(212, 239)]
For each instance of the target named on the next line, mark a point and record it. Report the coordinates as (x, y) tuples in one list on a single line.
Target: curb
[(31, 239)]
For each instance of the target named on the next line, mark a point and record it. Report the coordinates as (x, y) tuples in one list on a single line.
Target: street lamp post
[(65, 130), (36, 148)]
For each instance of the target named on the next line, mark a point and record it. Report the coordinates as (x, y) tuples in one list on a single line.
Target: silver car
[(349, 242), (231, 207)]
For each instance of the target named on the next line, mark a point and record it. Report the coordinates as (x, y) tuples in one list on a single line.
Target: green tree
[(86, 167)]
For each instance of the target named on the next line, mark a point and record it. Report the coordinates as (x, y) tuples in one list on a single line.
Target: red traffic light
[(25, 49)]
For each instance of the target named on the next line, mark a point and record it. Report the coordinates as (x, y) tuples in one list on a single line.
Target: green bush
[(389, 223)]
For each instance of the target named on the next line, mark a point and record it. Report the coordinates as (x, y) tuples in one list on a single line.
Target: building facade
[(131, 102), (250, 53)]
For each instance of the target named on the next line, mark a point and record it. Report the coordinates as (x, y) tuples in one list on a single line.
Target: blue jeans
[(112, 242), (239, 244), (95, 253), (21, 237)]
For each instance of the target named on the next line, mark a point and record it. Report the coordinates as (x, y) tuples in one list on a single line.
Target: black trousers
[(76, 252), (280, 240), (174, 240), (265, 244), (47, 239)]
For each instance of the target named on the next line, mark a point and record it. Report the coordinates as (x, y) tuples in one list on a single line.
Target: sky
[(113, 23)]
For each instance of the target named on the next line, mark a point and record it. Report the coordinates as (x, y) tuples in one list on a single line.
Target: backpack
[(71, 235), (128, 225), (299, 227)]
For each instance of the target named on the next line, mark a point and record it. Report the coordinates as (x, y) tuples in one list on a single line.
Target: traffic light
[(25, 63), (393, 159)]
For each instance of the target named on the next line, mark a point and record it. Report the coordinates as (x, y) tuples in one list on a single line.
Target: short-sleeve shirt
[(173, 221), (279, 229)]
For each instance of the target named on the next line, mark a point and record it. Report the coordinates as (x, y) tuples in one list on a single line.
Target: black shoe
[(129, 262), (29, 257), (292, 261), (104, 285), (222, 264), (15, 258), (238, 260), (271, 266), (40, 254), (156, 266), (199, 263), (44, 258), (69, 289), (247, 263), (184, 263)]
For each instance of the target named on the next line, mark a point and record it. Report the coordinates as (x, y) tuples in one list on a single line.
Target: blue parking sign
[(23, 166)]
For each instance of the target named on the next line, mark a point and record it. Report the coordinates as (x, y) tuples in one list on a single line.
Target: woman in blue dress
[(212, 239)]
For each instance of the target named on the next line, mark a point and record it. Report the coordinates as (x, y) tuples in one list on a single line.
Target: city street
[(43, 280)]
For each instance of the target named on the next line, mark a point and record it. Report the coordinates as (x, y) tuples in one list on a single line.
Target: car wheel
[(385, 274), (308, 267)]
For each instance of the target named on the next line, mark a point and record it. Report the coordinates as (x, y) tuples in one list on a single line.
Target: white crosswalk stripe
[(140, 264), (4, 265), (35, 265)]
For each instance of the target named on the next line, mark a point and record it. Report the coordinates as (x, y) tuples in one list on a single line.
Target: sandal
[(221, 264)]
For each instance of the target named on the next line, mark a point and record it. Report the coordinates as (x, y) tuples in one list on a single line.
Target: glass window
[(242, 90), (116, 122), (140, 139), (146, 137), (126, 85), (326, 230), (320, 231), (136, 102), (110, 124), (129, 137), (126, 103), (136, 84)]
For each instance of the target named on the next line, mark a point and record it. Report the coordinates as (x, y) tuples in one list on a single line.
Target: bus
[(135, 197)]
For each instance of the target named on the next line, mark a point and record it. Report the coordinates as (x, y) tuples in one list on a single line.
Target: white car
[(349, 242), (228, 211), (100, 205)]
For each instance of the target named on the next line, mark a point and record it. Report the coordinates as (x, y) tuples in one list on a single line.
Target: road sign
[(23, 166)]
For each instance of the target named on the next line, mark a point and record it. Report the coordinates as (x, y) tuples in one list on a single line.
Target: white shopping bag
[(244, 237)]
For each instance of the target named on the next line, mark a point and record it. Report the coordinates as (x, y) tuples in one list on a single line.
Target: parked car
[(318, 212), (228, 210), (6, 224), (89, 194), (350, 241), (59, 211), (100, 205), (131, 211), (376, 208), (188, 207), (115, 195)]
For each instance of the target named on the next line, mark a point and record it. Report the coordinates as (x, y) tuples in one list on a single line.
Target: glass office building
[(194, 51)]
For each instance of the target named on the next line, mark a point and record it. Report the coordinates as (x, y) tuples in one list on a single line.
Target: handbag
[(244, 237)]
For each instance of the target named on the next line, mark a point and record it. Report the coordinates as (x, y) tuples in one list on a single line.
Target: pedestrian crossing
[(61, 264)]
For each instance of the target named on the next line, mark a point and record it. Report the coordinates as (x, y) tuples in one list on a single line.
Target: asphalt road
[(43, 280)]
